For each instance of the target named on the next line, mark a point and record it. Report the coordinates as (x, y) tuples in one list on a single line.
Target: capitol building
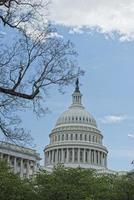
[(76, 141)]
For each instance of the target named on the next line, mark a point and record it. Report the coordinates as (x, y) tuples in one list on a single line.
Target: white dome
[(76, 141), (76, 115)]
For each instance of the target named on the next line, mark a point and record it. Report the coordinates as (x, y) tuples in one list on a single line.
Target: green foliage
[(66, 184), (12, 187)]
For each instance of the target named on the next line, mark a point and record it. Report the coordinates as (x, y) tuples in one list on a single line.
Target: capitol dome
[(76, 141)]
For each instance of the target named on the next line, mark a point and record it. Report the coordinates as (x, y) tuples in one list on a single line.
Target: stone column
[(35, 168), (78, 155), (72, 155), (89, 156), (48, 159), (67, 159), (52, 156), (21, 167), (84, 155), (28, 169), (103, 159), (15, 170), (8, 159), (56, 157), (98, 157), (1, 155), (96, 152), (62, 156), (94, 157)]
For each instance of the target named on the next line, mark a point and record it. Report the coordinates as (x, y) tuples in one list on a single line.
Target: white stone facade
[(76, 141), (23, 161)]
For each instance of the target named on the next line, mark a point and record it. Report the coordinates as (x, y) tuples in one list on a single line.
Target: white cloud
[(55, 34), (104, 15), (113, 119), (2, 34), (76, 30), (131, 136)]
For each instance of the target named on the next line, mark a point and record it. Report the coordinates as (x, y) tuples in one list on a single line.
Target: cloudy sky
[(103, 34)]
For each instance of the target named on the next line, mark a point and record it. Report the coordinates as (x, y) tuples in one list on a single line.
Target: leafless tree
[(35, 60), (18, 13)]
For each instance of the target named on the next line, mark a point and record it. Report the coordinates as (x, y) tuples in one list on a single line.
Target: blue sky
[(103, 36), (107, 89)]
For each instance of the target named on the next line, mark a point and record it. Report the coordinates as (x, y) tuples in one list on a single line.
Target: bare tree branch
[(33, 61)]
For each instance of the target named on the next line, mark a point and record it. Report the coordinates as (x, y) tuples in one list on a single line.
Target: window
[(71, 136), (80, 136), (76, 137), (58, 137), (85, 137), (66, 136), (89, 137), (62, 137)]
